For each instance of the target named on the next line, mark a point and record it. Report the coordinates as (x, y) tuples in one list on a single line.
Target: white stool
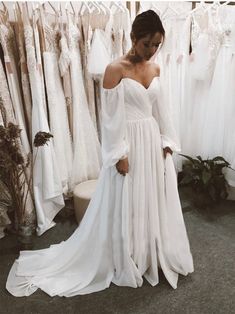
[(81, 197)]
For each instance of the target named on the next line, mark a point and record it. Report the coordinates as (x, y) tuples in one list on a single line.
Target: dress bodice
[(73, 34), (226, 25), (139, 99), (52, 37), (29, 44), (7, 39)]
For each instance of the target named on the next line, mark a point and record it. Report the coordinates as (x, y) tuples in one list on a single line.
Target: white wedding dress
[(220, 104), (133, 224), (59, 124), (174, 59), (86, 146), (206, 39), (47, 186)]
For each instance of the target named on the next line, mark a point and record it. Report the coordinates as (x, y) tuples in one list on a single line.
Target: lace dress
[(173, 58), (88, 81), (121, 29), (64, 63), (24, 75), (206, 38), (134, 223), (13, 105), (7, 39), (4, 219), (100, 49), (59, 125), (7, 109), (47, 186), (219, 113), (87, 158)]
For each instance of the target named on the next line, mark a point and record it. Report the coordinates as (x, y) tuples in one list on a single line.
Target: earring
[(132, 51)]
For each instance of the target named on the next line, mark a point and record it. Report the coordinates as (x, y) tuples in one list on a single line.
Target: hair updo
[(146, 23)]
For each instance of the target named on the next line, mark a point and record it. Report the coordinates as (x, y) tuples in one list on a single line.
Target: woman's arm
[(112, 75), (113, 141), (170, 141)]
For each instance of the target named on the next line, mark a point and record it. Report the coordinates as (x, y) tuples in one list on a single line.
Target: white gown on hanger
[(47, 186), (100, 52), (134, 223), (87, 153), (221, 100), (205, 46), (174, 57), (57, 107)]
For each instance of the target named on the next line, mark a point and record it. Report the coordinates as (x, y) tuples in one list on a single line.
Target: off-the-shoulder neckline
[(129, 78)]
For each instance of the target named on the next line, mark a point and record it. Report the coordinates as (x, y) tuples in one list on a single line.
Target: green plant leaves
[(206, 178)]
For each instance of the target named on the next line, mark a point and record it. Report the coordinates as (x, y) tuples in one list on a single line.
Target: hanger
[(102, 6), (202, 5), (155, 8), (169, 7), (215, 5), (95, 5), (5, 14), (17, 11), (117, 5), (84, 4), (71, 5), (122, 6), (4, 6), (53, 8), (25, 13), (225, 3)]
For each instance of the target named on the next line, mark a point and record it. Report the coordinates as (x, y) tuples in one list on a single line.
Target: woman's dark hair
[(147, 23)]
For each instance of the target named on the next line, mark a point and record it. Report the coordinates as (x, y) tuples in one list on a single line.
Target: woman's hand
[(123, 166), (167, 150)]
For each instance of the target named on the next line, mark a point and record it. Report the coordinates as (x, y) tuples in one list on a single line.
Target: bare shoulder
[(113, 74), (156, 68)]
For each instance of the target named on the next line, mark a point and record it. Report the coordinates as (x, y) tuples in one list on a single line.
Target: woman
[(134, 223)]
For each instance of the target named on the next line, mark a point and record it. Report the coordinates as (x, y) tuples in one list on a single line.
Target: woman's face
[(147, 46)]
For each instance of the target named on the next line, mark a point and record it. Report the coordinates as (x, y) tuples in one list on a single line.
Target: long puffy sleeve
[(162, 115), (114, 145)]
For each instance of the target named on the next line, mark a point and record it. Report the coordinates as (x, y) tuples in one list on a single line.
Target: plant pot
[(25, 236), (201, 201)]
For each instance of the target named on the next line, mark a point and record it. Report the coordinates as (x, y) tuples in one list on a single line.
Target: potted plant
[(206, 179), (13, 169)]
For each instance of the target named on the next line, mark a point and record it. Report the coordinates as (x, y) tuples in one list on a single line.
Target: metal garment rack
[(137, 4)]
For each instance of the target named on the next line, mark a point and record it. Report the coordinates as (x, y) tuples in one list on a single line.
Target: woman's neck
[(135, 59)]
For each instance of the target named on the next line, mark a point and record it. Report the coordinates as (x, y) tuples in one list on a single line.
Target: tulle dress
[(59, 124), (220, 102), (86, 146), (174, 59), (47, 187), (134, 223), (206, 39)]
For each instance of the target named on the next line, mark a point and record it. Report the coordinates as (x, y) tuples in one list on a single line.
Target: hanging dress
[(7, 39), (101, 49), (59, 125), (174, 58), (88, 81), (13, 104), (64, 63), (47, 186), (206, 40), (86, 146), (134, 223), (220, 99), (121, 29), (27, 103)]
